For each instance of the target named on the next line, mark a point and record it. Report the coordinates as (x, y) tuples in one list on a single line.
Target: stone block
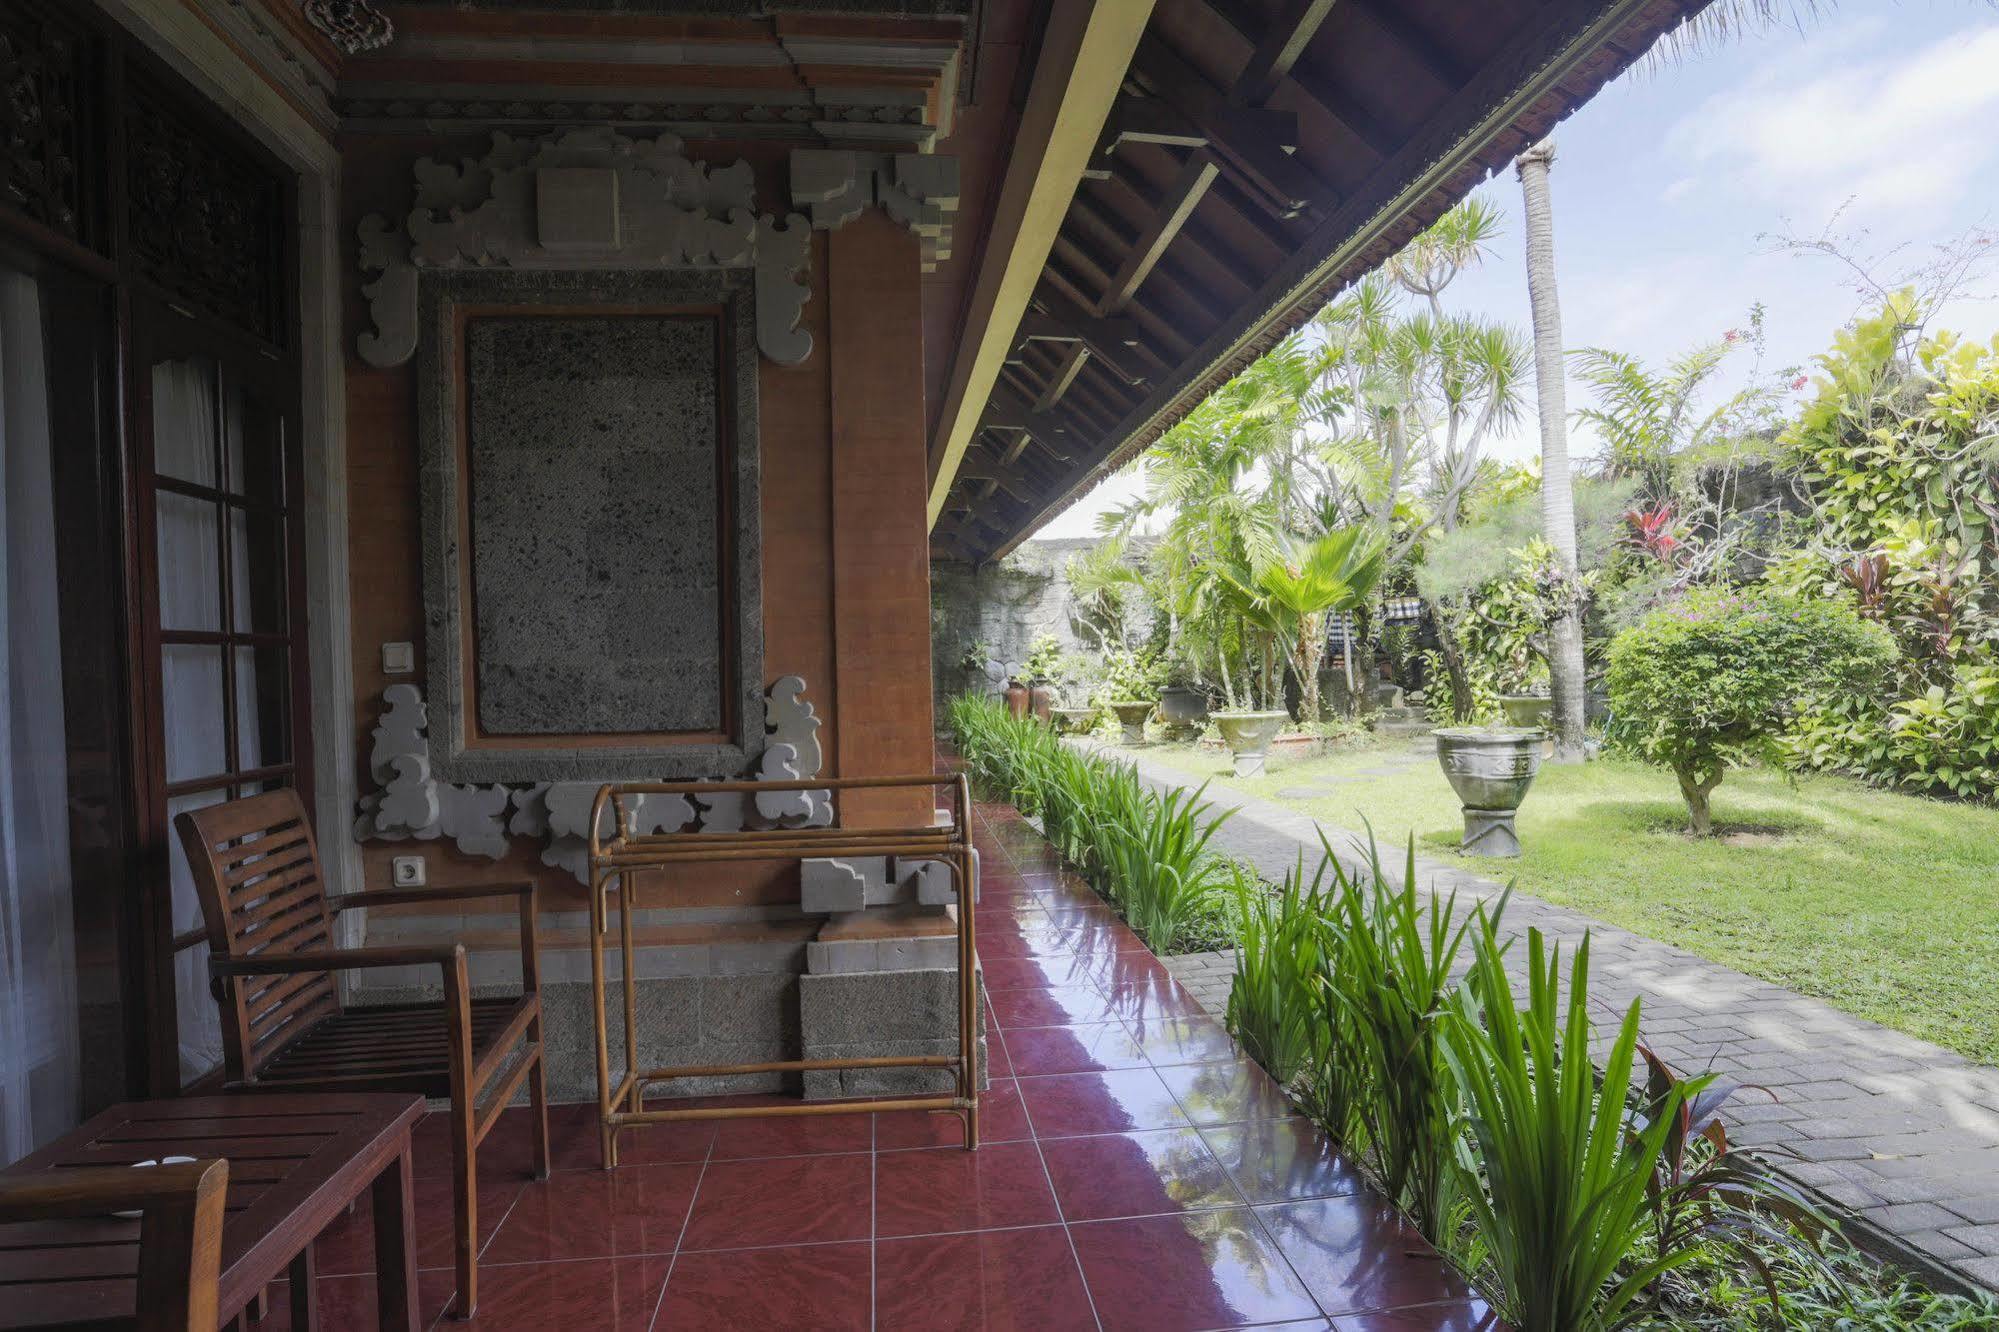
[(842, 956), (927, 882), (576, 208), (877, 1014), (838, 885)]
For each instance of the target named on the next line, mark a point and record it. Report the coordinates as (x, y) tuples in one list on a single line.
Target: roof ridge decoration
[(590, 199)]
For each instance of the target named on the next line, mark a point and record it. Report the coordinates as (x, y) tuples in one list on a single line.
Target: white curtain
[(39, 1078)]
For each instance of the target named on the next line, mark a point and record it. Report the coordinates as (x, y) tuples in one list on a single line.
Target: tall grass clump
[(1280, 956), (1146, 852)]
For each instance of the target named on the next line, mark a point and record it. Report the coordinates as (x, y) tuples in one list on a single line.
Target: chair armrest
[(338, 959), (338, 902), (523, 893), (49, 1195)]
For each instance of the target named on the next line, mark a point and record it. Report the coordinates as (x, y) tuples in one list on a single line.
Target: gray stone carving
[(553, 602), (413, 806), (615, 201), (919, 190), (826, 886)]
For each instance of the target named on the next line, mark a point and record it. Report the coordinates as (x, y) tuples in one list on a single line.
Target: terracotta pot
[(1041, 700), (1490, 767), (1017, 697), (1131, 716), (1248, 736)]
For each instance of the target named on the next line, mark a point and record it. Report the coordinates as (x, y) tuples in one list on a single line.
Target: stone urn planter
[(1131, 715), (1248, 736), (1072, 721), (1490, 767), (1528, 710), (1184, 709)]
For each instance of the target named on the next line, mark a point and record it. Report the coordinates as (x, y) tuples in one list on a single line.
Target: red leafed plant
[(1867, 575), (1652, 532)]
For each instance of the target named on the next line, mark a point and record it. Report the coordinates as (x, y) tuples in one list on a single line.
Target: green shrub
[(1280, 955), (1944, 741), (1715, 678)]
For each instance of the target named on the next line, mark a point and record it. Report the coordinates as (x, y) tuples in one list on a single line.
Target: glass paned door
[(227, 636)]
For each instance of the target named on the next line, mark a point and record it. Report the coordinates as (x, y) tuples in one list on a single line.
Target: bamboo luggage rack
[(624, 852)]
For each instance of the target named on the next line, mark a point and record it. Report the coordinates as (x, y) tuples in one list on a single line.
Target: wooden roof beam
[(1256, 143), (1112, 339), (1171, 214), (1291, 30), (1326, 92), (1068, 364)]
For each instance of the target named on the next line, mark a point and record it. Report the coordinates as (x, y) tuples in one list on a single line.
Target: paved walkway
[(1902, 1133)]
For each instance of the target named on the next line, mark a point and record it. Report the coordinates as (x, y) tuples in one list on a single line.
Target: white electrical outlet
[(407, 871), (398, 658)]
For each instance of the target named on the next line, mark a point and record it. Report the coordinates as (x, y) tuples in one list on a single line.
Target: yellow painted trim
[(1084, 56)]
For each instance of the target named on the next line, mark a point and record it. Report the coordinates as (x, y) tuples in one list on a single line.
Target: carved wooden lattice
[(42, 88), (205, 222)]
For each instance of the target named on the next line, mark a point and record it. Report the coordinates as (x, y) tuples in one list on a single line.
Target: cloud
[(1900, 136)]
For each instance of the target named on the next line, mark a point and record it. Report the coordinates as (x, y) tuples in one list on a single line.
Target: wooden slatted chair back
[(256, 870)]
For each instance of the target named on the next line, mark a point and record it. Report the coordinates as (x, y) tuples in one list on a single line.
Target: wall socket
[(398, 658), (407, 871)]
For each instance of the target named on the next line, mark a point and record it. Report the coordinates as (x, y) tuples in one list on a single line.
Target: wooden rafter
[(1169, 215), (1290, 31), (1068, 364), (1241, 136)]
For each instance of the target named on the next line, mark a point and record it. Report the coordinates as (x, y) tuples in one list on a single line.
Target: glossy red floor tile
[(1122, 1101), (1282, 1160), (821, 1286), (597, 1214), (942, 1189), (1094, 1047), (347, 1247), (1465, 1316), (1066, 1006), (1170, 1040), (1035, 973), (786, 1200), (1136, 1174), (994, 1281), (797, 1135), (1231, 1093), (1001, 1119), (1199, 1270), (1356, 1254)]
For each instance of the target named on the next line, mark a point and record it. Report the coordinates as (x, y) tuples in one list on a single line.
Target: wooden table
[(295, 1163)]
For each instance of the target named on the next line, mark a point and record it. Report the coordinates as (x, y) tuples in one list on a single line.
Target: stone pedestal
[(881, 975), (1489, 832)]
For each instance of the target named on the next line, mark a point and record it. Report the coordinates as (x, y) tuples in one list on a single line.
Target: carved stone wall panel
[(448, 563), (670, 213), (918, 190)]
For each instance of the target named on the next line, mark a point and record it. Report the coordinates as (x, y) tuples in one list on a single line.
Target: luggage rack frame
[(614, 859)]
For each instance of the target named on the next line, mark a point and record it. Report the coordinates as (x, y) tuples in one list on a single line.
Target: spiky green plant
[(1280, 958), (1558, 1182)]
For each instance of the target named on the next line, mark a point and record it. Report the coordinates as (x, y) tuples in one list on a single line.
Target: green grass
[(1884, 905)]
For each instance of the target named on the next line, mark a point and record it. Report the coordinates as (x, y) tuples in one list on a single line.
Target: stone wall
[(1006, 606)]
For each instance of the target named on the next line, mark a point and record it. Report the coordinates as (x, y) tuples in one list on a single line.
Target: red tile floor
[(1136, 1172)]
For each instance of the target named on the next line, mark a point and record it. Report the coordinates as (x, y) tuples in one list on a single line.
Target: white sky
[(1668, 185)]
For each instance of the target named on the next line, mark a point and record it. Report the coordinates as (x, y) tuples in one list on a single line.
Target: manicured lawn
[(1884, 905)]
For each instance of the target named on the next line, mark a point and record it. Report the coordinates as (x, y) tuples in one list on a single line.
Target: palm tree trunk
[(1558, 505)]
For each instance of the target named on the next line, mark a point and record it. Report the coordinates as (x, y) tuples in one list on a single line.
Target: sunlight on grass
[(1884, 905)]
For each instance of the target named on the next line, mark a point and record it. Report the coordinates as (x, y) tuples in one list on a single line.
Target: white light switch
[(398, 658)]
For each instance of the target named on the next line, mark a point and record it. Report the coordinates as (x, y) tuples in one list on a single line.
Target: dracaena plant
[(1703, 1192)]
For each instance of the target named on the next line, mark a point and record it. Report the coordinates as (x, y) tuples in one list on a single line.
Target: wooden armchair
[(284, 1028), (180, 1245)]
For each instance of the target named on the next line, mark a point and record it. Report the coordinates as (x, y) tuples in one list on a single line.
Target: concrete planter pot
[(1184, 710), (1490, 768), (1248, 736), (1132, 717), (1072, 721), (1528, 710)]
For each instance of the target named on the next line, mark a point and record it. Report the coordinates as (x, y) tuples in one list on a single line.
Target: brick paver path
[(1901, 1133)]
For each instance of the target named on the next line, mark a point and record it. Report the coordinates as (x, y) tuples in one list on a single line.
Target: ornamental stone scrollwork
[(411, 804), (593, 199), (919, 190)]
